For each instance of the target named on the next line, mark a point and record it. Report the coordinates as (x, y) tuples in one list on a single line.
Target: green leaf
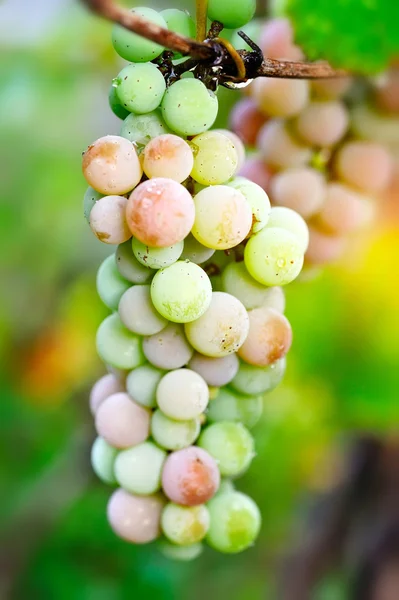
[(358, 35)]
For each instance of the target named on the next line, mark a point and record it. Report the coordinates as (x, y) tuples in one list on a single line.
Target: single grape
[(142, 383), (156, 258), (168, 349), (134, 47), (141, 129), (280, 97), (110, 285), (322, 123), (215, 158), (182, 553), (137, 312), (258, 380), (108, 220), (344, 210), (182, 395), (223, 217), (160, 212), (274, 256), (269, 337), (168, 156), (140, 87), (188, 107), (256, 170), (215, 371), (222, 329), (235, 522), (89, 200), (104, 387), (367, 166), (111, 165), (129, 267), (323, 248), (246, 120), (230, 444), (232, 13), (138, 470), (115, 104), (276, 38), (122, 422), (288, 219), (185, 525), (117, 346), (278, 148), (190, 476), (230, 406), (135, 519), (302, 189), (238, 282), (103, 459), (237, 143), (196, 252), (174, 435), (182, 292), (179, 21), (257, 199)]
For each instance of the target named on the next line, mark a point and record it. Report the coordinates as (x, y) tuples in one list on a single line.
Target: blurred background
[(326, 475)]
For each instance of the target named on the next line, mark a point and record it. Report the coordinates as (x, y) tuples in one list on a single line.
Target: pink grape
[(365, 165), (276, 38), (216, 371), (190, 476), (323, 248), (111, 165), (278, 147), (246, 120), (122, 422), (269, 337), (331, 89), (302, 189), (104, 387), (344, 210), (160, 212), (108, 220), (257, 171), (136, 519), (322, 123), (168, 349), (168, 156), (280, 97)]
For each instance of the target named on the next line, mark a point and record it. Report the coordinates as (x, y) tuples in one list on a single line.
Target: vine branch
[(210, 50)]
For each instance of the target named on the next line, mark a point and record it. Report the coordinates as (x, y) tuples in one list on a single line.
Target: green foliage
[(358, 35)]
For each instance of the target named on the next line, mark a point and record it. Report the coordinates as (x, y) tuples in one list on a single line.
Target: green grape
[(179, 21), (258, 201), (185, 525), (286, 218), (230, 406), (232, 13), (115, 104), (110, 284), (174, 435), (215, 158), (188, 107), (230, 444), (89, 200), (142, 383), (117, 346), (140, 87), (235, 522), (134, 47), (183, 553), (102, 460), (274, 256), (141, 129), (156, 258), (238, 282), (182, 292), (138, 469), (258, 380)]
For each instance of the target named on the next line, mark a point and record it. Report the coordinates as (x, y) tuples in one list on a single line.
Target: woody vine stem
[(211, 51)]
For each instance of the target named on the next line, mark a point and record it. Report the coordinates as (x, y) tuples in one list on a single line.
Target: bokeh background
[(339, 400)]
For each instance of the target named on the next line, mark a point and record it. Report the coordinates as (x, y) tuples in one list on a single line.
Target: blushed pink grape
[(168, 349), (104, 387), (215, 371), (365, 165), (302, 189), (257, 171), (246, 120), (111, 165), (276, 38), (108, 220), (190, 476), (168, 156), (278, 148), (344, 210), (160, 212), (136, 519), (122, 422), (322, 123), (323, 248), (280, 97), (269, 337)]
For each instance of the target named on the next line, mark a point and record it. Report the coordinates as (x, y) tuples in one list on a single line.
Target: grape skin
[(168, 156), (122, 422), (269, 337), (302, 189), (367, 166), (135, 519)]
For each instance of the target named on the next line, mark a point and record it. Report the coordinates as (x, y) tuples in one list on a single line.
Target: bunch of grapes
[(312, 154), (196, 333)]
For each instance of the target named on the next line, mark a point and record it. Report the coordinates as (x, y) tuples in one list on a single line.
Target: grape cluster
[(196, 333), (310, 153)]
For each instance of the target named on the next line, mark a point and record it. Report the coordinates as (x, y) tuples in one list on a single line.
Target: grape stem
[(212, 52)]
